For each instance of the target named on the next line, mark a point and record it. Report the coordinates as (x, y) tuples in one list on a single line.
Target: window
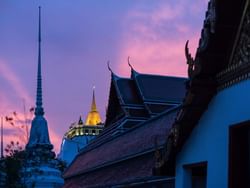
[(77, 132), (81, 131), (197, 175), (239, 155)]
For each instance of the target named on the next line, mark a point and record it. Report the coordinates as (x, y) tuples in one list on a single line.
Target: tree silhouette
[(12, 148), (13, 162), (21, 122)]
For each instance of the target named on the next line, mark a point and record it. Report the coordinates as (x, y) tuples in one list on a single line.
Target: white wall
[(70, 148), (209, 141)]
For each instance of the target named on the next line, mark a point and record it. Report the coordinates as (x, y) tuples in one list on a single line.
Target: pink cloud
[(162, 12), (152, 48), (167, 13), (166, 57), (8, 106), (14, 81), (182, 28), (5, 103)]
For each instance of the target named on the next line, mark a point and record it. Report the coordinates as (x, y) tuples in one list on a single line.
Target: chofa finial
[(129, 64), (108, 64), (193, 66)]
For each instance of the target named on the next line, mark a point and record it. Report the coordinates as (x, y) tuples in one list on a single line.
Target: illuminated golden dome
[(93, 117)]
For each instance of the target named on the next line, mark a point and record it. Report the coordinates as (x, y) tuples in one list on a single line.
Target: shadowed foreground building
[(80, 134), (210, 141), (139, 116)]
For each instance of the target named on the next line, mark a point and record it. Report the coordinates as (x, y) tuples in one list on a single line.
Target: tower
[(40, 168), (80, 134), (39, 134)]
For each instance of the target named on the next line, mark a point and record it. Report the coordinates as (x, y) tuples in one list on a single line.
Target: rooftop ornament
[(193, 65)]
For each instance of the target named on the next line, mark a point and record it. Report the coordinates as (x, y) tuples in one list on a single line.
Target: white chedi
[(41, 168)]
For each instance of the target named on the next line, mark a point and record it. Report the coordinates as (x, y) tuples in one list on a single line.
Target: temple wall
[(209, 140)]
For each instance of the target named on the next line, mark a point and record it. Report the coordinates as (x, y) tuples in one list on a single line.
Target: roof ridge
[(169, 111), (165, 76), (118, 160)]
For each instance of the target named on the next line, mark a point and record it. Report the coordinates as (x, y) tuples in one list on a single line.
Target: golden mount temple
[(80, 134)]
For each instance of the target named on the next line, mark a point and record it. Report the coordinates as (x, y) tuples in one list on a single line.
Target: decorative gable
[(239, 65), (114, 109)]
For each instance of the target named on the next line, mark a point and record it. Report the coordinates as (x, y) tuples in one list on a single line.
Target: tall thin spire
[(93, 105), (39, 134), (39, 102), (93, 117)]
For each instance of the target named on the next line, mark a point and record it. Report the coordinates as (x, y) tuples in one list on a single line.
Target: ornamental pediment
[(239, 65)]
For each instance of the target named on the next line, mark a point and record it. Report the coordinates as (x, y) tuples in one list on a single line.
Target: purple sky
[(78, 38)]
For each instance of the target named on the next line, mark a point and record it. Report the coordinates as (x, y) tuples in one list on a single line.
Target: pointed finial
[(93, 117), (193, 67), (129, 63), (93, 105), (39, 102), (133, 72), (39, 29), (108, 64), (80, 122), (189, 57), (113, 75)]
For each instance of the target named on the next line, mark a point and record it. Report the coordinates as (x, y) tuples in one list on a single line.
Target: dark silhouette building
[(209, 142)]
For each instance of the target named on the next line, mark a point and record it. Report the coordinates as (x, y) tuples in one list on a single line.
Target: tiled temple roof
[(129, 155)]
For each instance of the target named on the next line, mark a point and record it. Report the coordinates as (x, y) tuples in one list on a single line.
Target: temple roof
[(128, 91), (129, 155), (160, 88), (142, 95), (136, 117)]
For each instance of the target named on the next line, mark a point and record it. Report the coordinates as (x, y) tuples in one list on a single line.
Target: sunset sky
[(78, 38)]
